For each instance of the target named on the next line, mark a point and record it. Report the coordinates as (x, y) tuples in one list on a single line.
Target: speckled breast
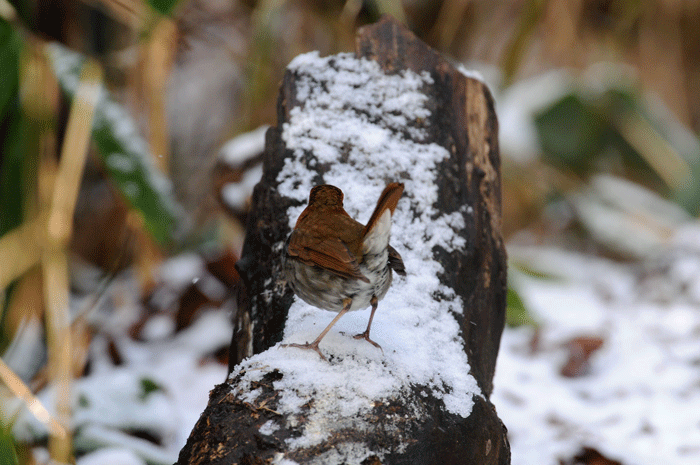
[(324, 289)]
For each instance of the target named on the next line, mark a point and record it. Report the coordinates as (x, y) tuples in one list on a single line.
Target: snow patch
[(639, 402)]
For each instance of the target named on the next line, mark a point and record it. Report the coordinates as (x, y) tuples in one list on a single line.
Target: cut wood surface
[(394, 111)]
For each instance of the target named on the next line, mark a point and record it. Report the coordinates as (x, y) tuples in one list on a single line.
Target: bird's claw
[(365, 336), (312, 346)]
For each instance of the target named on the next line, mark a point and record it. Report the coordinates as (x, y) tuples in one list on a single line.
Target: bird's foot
[(308, 345), (365, 336)]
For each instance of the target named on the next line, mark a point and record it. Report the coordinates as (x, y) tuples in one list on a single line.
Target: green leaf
[(688, 195), (16, 159), (124, 152), (164, 7), (570, 133), (148, 386), (10, 47), (8, 454), (516, 312), (532, 272), (614, 128), (12, 191), (11, 173)]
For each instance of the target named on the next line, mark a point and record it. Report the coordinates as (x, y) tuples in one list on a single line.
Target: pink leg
[(314, 345), (365, 335)]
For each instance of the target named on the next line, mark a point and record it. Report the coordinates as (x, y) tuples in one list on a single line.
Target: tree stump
[(394, 111)]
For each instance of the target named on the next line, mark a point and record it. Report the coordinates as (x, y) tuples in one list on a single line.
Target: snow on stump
[(394, 111)]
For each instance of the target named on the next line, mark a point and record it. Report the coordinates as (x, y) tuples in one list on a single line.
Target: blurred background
[(132, 135)]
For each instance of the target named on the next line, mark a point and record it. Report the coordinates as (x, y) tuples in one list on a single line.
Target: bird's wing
[(329, 253), (396, 262)]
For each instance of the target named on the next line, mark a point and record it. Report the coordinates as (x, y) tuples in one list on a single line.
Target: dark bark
[(464, 122), (227, 433)]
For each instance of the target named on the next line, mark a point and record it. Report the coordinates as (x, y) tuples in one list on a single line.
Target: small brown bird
[(335, 263)]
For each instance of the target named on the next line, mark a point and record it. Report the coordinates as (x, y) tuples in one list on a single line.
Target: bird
[(336, 263)]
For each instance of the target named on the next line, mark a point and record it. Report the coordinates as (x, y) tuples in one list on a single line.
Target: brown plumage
[(335, 263)]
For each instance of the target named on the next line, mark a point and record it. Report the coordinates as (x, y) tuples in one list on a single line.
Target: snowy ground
[(639, 402), (143, 392)]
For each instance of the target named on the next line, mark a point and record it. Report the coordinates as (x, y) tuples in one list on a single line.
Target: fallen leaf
[(581, 349)]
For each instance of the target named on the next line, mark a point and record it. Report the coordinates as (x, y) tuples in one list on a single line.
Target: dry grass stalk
[(19, 251), (55, 255), (22, 391), (158, 55)]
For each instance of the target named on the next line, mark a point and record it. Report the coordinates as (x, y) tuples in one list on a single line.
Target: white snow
[(235, 194), (158, 327), (269, 427), (120, 162), (111, 456), (244, 147), (111, 399), (235, 153), (614, 210), (361, 114), (470, 73), (516, 107), (639, 404), (180, 271)]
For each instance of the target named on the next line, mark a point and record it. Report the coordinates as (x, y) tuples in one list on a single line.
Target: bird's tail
[(376, 233)]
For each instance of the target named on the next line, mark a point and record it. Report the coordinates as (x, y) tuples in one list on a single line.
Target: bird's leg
[(365, 335), (314, 345)]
